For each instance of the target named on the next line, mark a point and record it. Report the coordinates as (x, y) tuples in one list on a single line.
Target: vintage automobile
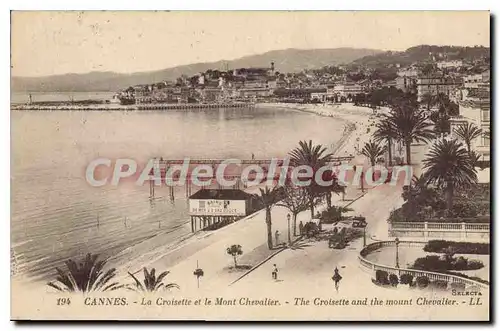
[(359, 224)]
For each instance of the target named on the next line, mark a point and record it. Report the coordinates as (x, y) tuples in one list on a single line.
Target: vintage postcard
[(250, 166)]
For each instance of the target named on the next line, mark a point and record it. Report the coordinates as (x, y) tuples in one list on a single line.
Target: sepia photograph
[(250, 165)]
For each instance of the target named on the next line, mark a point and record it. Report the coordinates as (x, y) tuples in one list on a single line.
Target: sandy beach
[(207, 249), (200, 246)]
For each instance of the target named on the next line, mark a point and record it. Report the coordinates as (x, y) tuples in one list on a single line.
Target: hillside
[(288, 60), (421, 53)]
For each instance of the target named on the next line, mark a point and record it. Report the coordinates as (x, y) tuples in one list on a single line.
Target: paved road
[(309, 266)]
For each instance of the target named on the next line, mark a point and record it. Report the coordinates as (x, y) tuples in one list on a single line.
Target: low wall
[(440, 230), (372, 267)]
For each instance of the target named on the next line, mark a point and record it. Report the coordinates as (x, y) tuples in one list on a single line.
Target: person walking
[(301, 228), (336, 278), (275, 272), (277, 237)]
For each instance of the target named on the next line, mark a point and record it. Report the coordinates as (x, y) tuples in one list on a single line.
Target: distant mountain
[(424, 53), (288, 60)]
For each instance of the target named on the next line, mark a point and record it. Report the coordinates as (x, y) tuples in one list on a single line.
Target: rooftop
[(225, 194)]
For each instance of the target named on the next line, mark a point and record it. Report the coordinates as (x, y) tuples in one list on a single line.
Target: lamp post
[(397, 252), (289, 238), (364, 236)]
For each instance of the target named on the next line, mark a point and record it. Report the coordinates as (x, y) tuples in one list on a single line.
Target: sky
[(51, 42)]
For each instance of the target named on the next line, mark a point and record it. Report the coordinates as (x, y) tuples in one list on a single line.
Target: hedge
[(441, 246)]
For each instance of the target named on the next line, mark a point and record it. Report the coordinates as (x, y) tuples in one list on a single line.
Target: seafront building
[(477, 111), (434, 85)]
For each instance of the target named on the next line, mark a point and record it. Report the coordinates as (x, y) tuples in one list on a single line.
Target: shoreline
[(354, 116), (358, 119), (174, 253)]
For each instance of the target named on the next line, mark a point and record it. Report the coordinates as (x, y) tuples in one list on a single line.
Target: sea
[(57, 215)]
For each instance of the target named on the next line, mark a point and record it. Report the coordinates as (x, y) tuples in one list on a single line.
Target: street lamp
[(397, 252), (289, 238), (364, 236)]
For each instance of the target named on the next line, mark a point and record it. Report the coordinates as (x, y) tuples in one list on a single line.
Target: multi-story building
[(476, 112), (449, 64), (434, 85), (408, 72), (346, 90), (474, 81), (406, 84)]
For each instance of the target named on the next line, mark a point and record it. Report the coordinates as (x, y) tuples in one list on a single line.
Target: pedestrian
[(253, 156), (336, 278), (301, 228), (275, 272), (277, 237)]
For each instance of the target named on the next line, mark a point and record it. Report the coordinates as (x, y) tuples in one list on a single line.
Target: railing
[(373, 266), (437, 229)]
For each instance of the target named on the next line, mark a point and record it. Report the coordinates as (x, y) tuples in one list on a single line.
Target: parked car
[(361, 223), (336, 244)]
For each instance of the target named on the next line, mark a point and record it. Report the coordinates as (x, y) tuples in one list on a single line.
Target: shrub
[(460, 263), (381, 277), (393, 279), (447, 262), (422, 281), (406, 279), (440, 246), (457, 286), (439, 284), (464, 209), (429, 263), (473, 265)]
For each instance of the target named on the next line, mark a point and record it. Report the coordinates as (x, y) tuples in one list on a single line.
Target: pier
[(164, 164), (136, 107)]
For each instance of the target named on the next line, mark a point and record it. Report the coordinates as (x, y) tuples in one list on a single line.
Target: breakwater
[(136, 107)]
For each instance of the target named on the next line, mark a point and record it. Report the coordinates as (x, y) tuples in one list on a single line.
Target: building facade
[(434, 85)]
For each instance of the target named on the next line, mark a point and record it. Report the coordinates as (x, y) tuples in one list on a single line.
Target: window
[(486, 141), (485, 115)]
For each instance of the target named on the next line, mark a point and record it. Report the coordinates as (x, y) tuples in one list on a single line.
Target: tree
[(449, 165), (411, 125), (468, 132), (234, 251), (152, 283), (268, 198), (385, 131), (372, 151), (441, 122), (315, 157), (428, 100), (295, 200), (327, 190), (86, 276)]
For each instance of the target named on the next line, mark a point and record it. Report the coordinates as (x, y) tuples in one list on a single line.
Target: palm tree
[(487, 134), (86, 276), (429, 100), (441, 122), (152, 283), (449, 165), (385, 131), (468, 132), (268, 197), (315, 157), (373, 151), (411, 125)]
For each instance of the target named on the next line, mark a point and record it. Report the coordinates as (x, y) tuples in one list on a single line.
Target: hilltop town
[(460, 73)]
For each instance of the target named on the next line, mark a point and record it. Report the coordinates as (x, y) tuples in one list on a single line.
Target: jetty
[(135, 107)]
